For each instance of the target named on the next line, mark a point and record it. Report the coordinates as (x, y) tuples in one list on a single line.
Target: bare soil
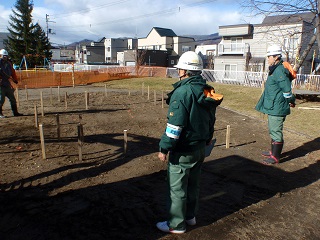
[(112, 195)]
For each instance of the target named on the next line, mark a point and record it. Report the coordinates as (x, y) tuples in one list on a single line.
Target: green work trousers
[(184, 169), (9, 93), (275, 125)]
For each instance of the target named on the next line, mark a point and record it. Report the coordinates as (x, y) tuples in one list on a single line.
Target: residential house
[(62, 55), (115, 45), (243, 47), (93, 53), (165, 39), (207, 53), (144, 57)]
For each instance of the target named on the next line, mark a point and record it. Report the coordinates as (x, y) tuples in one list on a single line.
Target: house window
[(172, 62), (236, 44), (186, 48), (255, 67), (108, 49), (230, 71), (88, 53)]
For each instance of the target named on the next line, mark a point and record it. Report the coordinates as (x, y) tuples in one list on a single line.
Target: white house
[(243, 47)]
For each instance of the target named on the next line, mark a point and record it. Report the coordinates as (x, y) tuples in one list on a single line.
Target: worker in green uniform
[(190, 127), (276, 100)]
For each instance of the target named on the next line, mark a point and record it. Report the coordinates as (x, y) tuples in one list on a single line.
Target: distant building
[(144, 57), (62, 55), (243, 47), (115, 45), (166, 40), (207, 53)]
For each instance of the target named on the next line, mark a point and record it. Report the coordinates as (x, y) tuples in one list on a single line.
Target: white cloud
[(74, 20)]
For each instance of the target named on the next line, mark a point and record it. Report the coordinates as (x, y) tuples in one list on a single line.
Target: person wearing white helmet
[(276, 100), (190, 127), (6, 90)]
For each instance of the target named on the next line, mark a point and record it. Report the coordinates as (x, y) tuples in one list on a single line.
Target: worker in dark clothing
[(6, 90)]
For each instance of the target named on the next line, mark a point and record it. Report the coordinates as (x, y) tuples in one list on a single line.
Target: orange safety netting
[(47, 78)]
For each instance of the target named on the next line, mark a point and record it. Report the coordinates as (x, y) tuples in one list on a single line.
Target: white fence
[(256, 79)]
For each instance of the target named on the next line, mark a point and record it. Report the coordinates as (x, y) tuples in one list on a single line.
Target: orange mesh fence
[(145, 71), (46, 78)]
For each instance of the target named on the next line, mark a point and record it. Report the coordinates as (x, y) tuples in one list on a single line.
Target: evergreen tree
[(26, 39), (41, 46)]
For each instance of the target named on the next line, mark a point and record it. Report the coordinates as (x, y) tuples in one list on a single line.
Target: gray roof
[(289, 18), (165, 32)]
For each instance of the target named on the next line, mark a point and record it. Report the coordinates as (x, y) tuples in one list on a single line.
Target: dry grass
[(238, 98)]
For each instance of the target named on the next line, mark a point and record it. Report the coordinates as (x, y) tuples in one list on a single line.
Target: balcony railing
[(233, 48)]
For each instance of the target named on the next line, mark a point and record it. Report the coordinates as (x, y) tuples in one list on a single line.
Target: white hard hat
[(3, 52), (274, 50), (190, 61)]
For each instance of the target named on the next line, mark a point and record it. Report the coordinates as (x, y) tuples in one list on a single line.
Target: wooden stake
[(41, 103), (59, 100), (155, 97), (228, 137), (80, 140), (43, 147), (26, 90), (105, 90), (17, 97), (86, 99), (66, 99), (36, 122), (51, 95), (58, 126), (148, 92), (142, 89), (125, 143), (162, 100)]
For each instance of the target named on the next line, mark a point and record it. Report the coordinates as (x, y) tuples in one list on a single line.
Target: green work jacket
[(193, 113), (277, 94)]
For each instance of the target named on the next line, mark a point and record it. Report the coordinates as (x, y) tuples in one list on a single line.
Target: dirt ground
[(112, 195)]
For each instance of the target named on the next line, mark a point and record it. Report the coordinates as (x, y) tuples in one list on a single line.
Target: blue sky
[(74, 20)]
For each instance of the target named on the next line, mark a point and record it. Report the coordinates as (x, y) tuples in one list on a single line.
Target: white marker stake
[(228, 137), (125, 143), (43, 147)]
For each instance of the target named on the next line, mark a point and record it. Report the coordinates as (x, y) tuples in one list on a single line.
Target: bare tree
[(140, 58), (289, 7)]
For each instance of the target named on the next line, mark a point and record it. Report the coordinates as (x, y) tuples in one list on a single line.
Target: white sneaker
[(2, 116), (163, 226), (191, 221)]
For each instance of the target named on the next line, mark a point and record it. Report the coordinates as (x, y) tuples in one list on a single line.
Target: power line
[(166, 11)]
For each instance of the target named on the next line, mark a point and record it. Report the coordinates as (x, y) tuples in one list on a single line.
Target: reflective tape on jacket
[(173, 131)]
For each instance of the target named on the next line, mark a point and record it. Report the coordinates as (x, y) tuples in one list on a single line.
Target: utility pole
[(47, 23)]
